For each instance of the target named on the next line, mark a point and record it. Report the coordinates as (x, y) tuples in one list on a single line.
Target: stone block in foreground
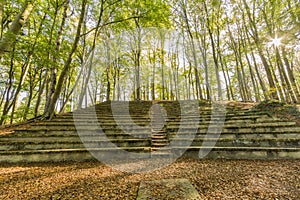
[(167, 189)]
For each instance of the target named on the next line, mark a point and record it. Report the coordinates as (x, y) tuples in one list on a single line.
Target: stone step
[(229, 121), (238, 125), (241, 130), (136, 128), (45, 143), (83, 154), (136, 111), (160, 139), (91, 119), (82, 133), (79, 154), (279, 132), (226, 142), (241, 152), (156, 154), (161, 152), (158, 145), (148, 121), (87, 128), (243, 136), (171, 114)]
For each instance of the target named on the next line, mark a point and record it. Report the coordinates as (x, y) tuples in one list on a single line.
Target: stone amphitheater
[(154, 128)]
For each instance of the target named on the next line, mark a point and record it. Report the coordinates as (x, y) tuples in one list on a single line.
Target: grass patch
[(279, 109)]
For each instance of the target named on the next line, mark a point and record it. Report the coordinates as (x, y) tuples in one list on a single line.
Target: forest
[(60, 55)]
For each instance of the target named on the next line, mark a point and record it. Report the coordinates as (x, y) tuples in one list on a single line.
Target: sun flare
[(276, 41)]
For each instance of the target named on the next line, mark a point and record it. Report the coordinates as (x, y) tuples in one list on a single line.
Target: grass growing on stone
[(280, 109)]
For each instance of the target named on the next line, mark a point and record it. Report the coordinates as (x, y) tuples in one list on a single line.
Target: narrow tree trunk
[(9, 93), (40, 92), (220, 96), (30, 96), (253, 81), (153, 76), (162, 62), (108, 69)]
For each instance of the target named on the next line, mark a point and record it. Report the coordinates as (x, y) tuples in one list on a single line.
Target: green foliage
[(144, 14), (126, 27)]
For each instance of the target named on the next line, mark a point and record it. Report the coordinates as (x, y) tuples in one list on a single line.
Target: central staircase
[(159, 135), (159, 128)]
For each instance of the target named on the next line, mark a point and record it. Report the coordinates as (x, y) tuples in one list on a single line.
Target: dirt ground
[(213, 179)]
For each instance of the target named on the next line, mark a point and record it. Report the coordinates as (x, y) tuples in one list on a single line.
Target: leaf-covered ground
[(213, 179)]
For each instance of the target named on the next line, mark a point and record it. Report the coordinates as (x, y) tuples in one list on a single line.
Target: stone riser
[(52, 143), (67, 155), (82, 155), (241, 131), (141, 120), (243, 128), (242, 143), (245, 154), (124, 116), (92, 134), (70, 145), (169, 122), (249, 136), (172, 123)]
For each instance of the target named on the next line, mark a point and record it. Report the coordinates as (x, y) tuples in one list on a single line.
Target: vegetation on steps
[(279, 109)]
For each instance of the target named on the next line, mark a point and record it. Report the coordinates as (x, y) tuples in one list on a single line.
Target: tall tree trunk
[(16, 95), (162, 63), (2, 4), (66, 68), (40, 92), (137, 61), (30, 96), (198, 85), (72, 90), (25, 69), (153, 76), (92, 53), (10, 36), (253, 81), (53, 75), (204, 62), (8, 93), (108, 73), (273, 90), (261, 82), (291, 75)]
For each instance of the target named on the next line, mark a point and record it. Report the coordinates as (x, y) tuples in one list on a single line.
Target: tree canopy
[(60, 55)]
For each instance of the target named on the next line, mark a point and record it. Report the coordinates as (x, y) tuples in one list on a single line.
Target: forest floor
[(213, 179)]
